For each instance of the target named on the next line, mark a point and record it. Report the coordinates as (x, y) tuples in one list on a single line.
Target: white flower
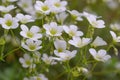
[(78, 42), (42, 7), (26, 61), (37, 14), (115, 26), (101, 55), (26, 5), (53, 29), (114, 36), (9, 0), (96, 23), (98, 42), (39, 77), (64, 56), (57, 6), (33, 33), (86, 14), (48, 59), (60, 46), (24, 18), (93, 20), (31, 45), (9, 22), (72, 31), (7, 9), (61, 17), (76, 15)]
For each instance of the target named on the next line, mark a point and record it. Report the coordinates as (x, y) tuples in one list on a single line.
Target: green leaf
[(2, 41)]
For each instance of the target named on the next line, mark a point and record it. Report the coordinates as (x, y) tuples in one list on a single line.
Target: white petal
[(66, 29), (113, 34), (53, 24), (38, 42), (35, 29), (102, 52), (79, 33), (92, 52), (64, 3), (86, 41), (37, 36), (29, 41), (27, 57), (8, 16), (21, 60), (60, 44), (19, 16), (107, 57), (118, 39), (77, 39), (73, 27), (24, 28), (72, 42), (46, 26), (98, 42), (23, 33)]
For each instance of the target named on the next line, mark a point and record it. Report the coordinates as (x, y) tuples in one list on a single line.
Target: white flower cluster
[(47, 37)]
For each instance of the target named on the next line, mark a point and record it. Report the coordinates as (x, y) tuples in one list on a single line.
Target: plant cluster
[(49, 37)]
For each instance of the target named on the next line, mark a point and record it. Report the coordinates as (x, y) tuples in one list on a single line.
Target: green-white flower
[(9, 22), (53, 29), (101, 55), (32, 45), (98, 42), (79, 42)]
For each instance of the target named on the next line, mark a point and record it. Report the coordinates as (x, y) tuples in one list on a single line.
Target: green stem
[(90, 32), (60, 75), (80, 56), (16, 40), (3, 46), (68, 71), (94, 66), (2, 50), (69, 77), (11, 52), (110, 46)]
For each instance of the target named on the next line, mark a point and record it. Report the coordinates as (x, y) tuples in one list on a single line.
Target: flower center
[(57, 4), (32, 47), (74, 16), (45, 8), (48, 61), (71, 33), (38, 14), (30, 34), (94, 23), (8, 22), (60, 50), (99, 57), (38, 78), (53, 31), (79, 44), (28, 62), (24, 20), (24, 5)]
